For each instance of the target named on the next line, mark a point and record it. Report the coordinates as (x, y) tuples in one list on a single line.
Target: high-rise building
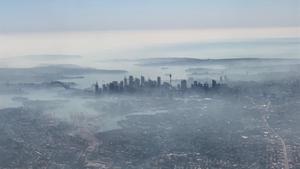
[(213, 83), (113, 86), (200, 85), (195, 84), (131, 82), (158, 81), (151, 83), (137, 82), (142, 81), (183, 84), (121, 86), (96, 88), (125, 82)]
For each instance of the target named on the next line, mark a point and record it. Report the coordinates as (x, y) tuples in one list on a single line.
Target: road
[(266, 110), (271, 130), (93, 144)]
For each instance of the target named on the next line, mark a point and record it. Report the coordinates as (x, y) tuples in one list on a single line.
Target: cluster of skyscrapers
[(134, 84)]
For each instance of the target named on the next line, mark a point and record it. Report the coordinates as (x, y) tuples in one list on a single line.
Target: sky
[(130, 29), (86, 15)]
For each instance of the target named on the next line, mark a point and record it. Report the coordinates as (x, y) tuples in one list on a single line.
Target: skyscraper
[(213, 83), (137, 82), (183, 84), (125, 82), (195, 84), (121, 86), (142, 81), (96, 88), (158, 81), (131, 82)]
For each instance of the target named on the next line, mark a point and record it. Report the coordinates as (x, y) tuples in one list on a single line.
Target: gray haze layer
[(50, 116)]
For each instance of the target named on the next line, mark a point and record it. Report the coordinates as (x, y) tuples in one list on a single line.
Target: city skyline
[(132, 84), (153, 84)]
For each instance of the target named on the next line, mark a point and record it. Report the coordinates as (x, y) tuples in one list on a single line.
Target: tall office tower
[(131, 82), (115, 85), (137, 82), (195, 85), (158, 81), (142, 81), (111, 87), (96, 88), (214, 83), (121, 86), (183, 84), (125, 82), (200, 85)]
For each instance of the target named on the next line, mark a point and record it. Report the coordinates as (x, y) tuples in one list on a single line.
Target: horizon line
[(149, 29)]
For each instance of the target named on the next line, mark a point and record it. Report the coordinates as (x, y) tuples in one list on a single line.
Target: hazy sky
[(122, 29), (75, 15)]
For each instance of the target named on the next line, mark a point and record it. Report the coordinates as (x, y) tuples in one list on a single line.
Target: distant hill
[(50, 72), (73, 70), (195, 61), (50, 57)]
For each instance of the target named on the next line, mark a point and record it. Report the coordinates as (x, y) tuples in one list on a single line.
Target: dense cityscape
[(166, 123), (149, 84), (134, 84)]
